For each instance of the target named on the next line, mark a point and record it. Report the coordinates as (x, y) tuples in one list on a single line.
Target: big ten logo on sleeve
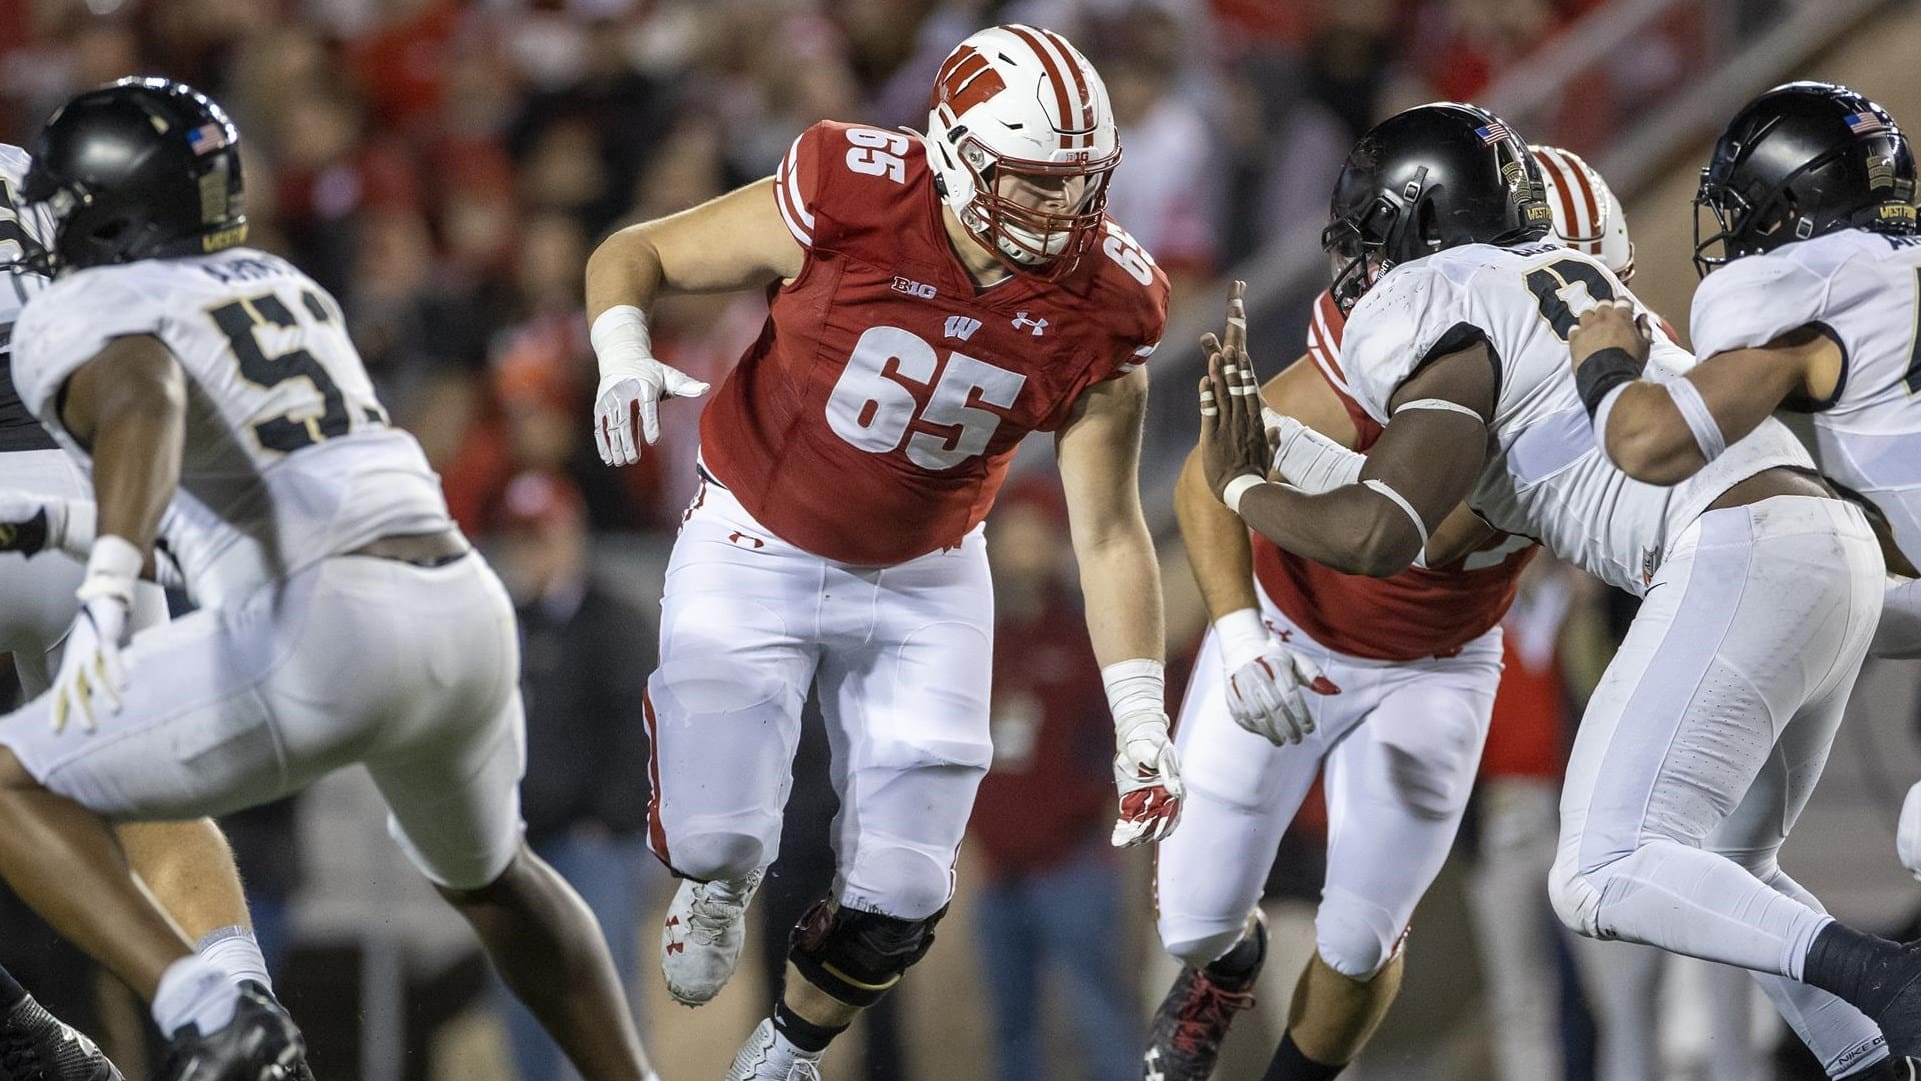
[(874, 404)]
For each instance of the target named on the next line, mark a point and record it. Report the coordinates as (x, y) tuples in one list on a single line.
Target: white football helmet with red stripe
[(1022, 138), (1587, 217)]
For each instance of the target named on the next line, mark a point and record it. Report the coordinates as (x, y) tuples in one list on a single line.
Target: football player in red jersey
[(932, 300), (1406, 668)]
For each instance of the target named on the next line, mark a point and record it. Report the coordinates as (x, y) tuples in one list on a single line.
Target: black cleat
[(1185, 1040), (259, 1044), (37, 1046)]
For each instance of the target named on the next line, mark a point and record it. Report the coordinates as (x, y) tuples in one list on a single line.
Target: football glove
[(632, 383), (91, 672), (1265, 680), (1148, 773)]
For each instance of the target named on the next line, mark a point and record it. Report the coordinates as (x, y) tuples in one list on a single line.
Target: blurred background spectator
[(1048, 918), (585, 654)]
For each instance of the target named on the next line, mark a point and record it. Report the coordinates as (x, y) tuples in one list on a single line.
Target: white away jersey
[(288, 456), (1546, 476), (23, 232), (1865, 289)]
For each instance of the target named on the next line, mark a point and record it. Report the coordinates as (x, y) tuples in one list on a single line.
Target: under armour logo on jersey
[(1286, 634), (960, 326), (743, 539), (1022, 322), (1153, 1064)]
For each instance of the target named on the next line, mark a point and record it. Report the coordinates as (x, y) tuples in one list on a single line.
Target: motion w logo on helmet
[(967, 79)]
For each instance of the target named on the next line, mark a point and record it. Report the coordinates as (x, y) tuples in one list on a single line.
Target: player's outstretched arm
[(1099, 451), (736, 241), (1664, 433), (1423, 465), (128, 407)]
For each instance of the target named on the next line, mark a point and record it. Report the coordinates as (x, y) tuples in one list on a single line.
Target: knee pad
[(707, 856), (1190, 945), (1576, 901), (856, 956), (1355, 938)]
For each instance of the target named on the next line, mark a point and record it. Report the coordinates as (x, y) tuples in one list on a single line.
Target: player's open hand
[(1266, 694), (1611, 324), (92, 677), (1234, 440), (1149, 777)]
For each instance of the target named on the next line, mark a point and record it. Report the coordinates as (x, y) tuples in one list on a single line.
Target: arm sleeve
[(66, 325), (1752, 301), (1411, 316), (797, 185)]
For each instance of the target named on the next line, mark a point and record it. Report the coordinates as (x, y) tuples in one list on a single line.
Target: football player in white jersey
[(1416, 658), (343, 620), (1811, 302), (187, 865), (1761, 588)]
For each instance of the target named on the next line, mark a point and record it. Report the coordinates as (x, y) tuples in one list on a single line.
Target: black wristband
[(1601, 373)]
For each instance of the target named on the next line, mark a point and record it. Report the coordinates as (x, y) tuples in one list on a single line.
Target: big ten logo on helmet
[(915, 289)]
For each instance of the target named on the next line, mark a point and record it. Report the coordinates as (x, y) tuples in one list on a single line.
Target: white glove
[(1907, 837), (90, 664), (1146, 769), (1265, 679), (632, 383), (1148, 774)]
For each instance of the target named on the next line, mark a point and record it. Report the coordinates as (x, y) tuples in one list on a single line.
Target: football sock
[(801, 1033), (10, 991), (1240, 963), (1864, 970), (1290, 1064), (194, 992), (234, 951)]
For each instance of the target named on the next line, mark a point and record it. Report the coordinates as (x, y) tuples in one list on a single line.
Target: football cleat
[(261, 1043), (701, 939), (37, 1046), (767, 1057), (1184, 1042)]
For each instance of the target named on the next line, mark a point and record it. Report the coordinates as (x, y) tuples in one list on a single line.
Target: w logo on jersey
[(960, 326)]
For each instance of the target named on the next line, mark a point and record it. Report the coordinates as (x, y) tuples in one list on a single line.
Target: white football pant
[(412, 671), (900, 657), (1703, 741), (1400, 743)]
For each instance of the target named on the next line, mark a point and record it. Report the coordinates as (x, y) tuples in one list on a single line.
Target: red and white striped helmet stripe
[(1077, 124), (787, 196), (1580, 210)]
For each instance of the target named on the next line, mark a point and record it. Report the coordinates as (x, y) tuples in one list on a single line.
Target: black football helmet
[(1801, 160), (139, 169), (1434, 177)]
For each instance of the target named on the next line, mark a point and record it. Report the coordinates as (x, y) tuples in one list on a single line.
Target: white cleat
[(767, 1057), (700, 942)]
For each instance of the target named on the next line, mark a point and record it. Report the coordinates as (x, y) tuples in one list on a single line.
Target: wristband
[(1601, 416), (1243, 636), (620, 339), (1136, 690), (112, 567), (1237, 490), (1602, 372)]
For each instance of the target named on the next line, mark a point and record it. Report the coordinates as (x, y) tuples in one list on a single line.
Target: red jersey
[(874, 419), (1420, 612)]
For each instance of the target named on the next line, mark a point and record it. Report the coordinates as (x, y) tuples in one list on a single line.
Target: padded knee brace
[(858, 956)]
